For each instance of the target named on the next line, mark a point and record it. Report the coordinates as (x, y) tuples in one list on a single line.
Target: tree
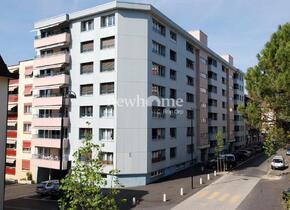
[(82, 186), (268, 86), (219, 147)]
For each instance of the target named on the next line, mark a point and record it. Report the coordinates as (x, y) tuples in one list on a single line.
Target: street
[(251, 186)]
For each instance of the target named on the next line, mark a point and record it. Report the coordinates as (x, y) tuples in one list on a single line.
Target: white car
[(278, 162)]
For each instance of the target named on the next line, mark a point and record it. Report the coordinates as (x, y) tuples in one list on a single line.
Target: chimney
[(200, 36), (229, 59)]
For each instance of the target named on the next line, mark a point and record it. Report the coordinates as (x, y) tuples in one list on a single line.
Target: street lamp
[(191, 146), (65, 94)]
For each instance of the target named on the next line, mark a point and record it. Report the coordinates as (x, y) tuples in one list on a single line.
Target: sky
[(236, 27)]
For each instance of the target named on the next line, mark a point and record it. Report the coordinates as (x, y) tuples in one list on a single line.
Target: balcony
[(52, 162), (10, 170), (12, 98), (55, 58), (10, 152), (53, 100), (50, 122), (11, 134), (12, 117), (51, 80), (13, 81), (63, 38), (49, 143)]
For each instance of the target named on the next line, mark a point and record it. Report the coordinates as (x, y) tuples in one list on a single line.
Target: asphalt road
[(251, 186)]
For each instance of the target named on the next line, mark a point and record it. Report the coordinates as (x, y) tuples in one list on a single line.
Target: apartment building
[(118, 51), (18, 147)]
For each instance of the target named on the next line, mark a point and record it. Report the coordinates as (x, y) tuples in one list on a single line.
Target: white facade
[(133, 32)]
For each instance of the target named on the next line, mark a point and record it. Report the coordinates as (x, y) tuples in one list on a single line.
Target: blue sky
[(237, 27)]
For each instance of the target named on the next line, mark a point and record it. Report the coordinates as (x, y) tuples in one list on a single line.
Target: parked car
[(252, 150), (278, 162), (246, 152), (50, 187), (259, 149), (286, 194), (230, 160), (240, 156), (288, 151)]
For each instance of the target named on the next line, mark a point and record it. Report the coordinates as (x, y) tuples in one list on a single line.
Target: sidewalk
[(150, 196)]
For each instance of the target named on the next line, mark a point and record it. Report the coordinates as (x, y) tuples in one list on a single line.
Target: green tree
[(219, 148), (268, 86), (83, 186)]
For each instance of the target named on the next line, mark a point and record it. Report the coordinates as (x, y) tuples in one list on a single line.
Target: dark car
[(240, 156), (50, 187), (286, 194)]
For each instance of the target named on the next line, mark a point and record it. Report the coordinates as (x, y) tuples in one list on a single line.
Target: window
[(212, 129), (106, 134), (107, 88), (51, 134), (173, 55), (158, 69), (172, 132), (157, 173), (190, 80), (106, 111), (223, 80), (86, 111), (25, 165), (212, 61), (108, 42), (158, 90), (189, 97), (27, 127), (85, 133), (190, 148), (224, 129), (28, 71), (108, 20), (172, 93), (189, 64), (87, 68), (223, 68), (172, 74), (158, 133), (212, 102), (203, 60), (28, 90), (212, 116), (107, 158), (189, 131), (212, 89), (87, 25), (189, 47), (173, 36), (27, 108), (87, 46), (26, 146), (158, 155), (189, 114), (86, 90), (172, 113), (158, 27), (158, 112), (212, 75), (224, 116), (158, 48), (223, 92), (172, 152), (107, 65)]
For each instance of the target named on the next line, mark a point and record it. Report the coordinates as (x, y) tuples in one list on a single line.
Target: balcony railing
[(63, 37), (51, 59), (12, 98), (11, 134), (52, 74), (12, 117), (158, 115), (10, 170), (11, 152), (13, 81), (45, 157)]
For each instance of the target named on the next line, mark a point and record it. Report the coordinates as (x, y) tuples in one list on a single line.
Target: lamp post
[(65, 95), (191, 146)]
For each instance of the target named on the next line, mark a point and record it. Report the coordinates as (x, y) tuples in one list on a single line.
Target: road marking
[(224, 197), (202, 194), (213, 195), (235, 199)]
